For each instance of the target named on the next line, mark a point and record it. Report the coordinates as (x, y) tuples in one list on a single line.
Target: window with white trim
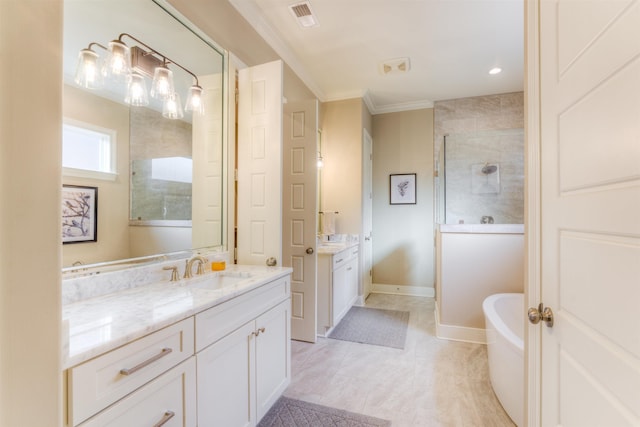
[(88, 151)]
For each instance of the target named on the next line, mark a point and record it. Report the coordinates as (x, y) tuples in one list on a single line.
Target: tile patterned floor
[(432, 382)]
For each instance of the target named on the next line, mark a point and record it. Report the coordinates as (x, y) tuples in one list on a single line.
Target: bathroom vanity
[(337, 283), (210, 350)]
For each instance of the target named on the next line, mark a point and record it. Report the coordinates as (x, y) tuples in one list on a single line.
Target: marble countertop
[(332, 248), (94, 326)]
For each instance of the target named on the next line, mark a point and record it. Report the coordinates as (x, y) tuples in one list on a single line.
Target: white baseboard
[(416, 291), (459, 333)]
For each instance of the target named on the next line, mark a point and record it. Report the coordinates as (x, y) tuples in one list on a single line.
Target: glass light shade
[(172, 107), (137, 91), (162, 85), (88, 73), (194, 100), (320, 163), (117, 65)]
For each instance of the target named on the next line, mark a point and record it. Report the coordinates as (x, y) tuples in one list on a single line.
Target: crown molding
[(251, 13)]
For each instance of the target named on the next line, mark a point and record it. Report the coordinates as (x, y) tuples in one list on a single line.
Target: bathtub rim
[(491, 314)]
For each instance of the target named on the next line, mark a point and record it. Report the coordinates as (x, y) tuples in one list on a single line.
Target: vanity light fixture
[(89, 69), (137, 91), (130, 65), (320, 163)]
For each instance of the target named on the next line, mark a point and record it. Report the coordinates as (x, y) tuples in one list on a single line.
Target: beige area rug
[(287, 412), (373, 326)]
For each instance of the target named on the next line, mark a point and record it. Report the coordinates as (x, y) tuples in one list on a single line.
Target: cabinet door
[(352, 280), (340, 294), (169, 398), (225, 378), (273, 356)]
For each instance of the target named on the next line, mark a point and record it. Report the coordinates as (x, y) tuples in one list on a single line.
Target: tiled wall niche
[(485, 129)]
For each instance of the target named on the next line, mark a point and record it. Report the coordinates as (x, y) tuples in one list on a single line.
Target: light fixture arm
[(165, 59), (96, 44)]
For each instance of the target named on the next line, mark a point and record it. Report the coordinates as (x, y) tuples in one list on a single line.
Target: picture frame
[(79, 214), (402, 189)]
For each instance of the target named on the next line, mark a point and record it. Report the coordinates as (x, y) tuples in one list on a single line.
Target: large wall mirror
[(144, 114)]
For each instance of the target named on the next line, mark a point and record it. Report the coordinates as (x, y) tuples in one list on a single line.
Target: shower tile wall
[(153, 136), (481, 129)]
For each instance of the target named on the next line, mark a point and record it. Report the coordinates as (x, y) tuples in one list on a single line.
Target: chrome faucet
[(189, 266)]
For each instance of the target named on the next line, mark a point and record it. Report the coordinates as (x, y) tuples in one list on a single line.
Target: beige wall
[(113, 196), (473, 266), (403, 240), (30, 228), (341, 176)]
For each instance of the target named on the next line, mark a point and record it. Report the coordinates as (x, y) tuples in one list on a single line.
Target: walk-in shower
[(480, 178)]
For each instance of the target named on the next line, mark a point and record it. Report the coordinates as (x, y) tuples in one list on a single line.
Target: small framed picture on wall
[(402, 189), (79, 214)]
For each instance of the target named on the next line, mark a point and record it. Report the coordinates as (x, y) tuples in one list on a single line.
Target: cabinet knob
[(258, 332), (272, 262)]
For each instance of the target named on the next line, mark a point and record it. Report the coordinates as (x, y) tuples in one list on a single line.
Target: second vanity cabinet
[(242, 374), (224, 366), (337, 287)]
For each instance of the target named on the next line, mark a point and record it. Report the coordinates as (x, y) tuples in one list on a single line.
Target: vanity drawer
[(170, 398), (340, 258), (98, 383), (216, 322)]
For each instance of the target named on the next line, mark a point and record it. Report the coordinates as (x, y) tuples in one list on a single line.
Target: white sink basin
[(219, 281)]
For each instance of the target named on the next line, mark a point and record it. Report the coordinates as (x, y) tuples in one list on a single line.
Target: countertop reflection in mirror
[(167, 194)]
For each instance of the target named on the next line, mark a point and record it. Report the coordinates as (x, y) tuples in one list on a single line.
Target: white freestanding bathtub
[(505, 319)]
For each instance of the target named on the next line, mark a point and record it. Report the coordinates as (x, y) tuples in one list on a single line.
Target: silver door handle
[(541, 313)]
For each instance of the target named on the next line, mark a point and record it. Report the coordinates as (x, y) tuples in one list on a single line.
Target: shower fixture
[(488, 169)]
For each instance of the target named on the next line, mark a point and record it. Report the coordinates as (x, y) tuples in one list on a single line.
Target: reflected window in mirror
[(88, 150)]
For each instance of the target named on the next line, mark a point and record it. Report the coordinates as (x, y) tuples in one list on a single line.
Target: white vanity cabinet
[(337, 287), (243, 372), (100, 382), (225, 365)]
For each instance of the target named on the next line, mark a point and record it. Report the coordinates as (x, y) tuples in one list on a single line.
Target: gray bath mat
[(288, 412), (374, 326)]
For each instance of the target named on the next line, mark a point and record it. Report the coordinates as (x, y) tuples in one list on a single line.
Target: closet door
[(260, 164)]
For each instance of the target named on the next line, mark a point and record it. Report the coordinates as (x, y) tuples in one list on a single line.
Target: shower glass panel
[(481, 178)]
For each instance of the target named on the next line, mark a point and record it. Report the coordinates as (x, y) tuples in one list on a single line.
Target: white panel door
[(590, 199), (207, 137), (367, 213), (300, 214), (260, 164)]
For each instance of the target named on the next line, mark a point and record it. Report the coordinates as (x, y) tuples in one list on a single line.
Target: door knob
[(541, 313), (272, 262), (309, 251)]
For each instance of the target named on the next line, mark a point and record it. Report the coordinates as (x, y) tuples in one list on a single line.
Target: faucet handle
[(187, 270), (200, 269), (174, 272)]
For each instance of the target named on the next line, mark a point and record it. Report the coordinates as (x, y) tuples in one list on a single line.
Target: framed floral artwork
[(402, 189), (79, 214)]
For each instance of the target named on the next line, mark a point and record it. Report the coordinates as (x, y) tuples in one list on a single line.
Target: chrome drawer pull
[(129, 371), (167, 416)]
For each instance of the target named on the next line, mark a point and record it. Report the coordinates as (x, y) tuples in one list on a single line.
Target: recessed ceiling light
[(495, 70)]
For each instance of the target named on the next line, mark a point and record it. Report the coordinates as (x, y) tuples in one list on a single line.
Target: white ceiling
[(451, 45)]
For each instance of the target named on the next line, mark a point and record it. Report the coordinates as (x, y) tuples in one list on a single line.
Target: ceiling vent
[(304, 15), (394, 66)]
